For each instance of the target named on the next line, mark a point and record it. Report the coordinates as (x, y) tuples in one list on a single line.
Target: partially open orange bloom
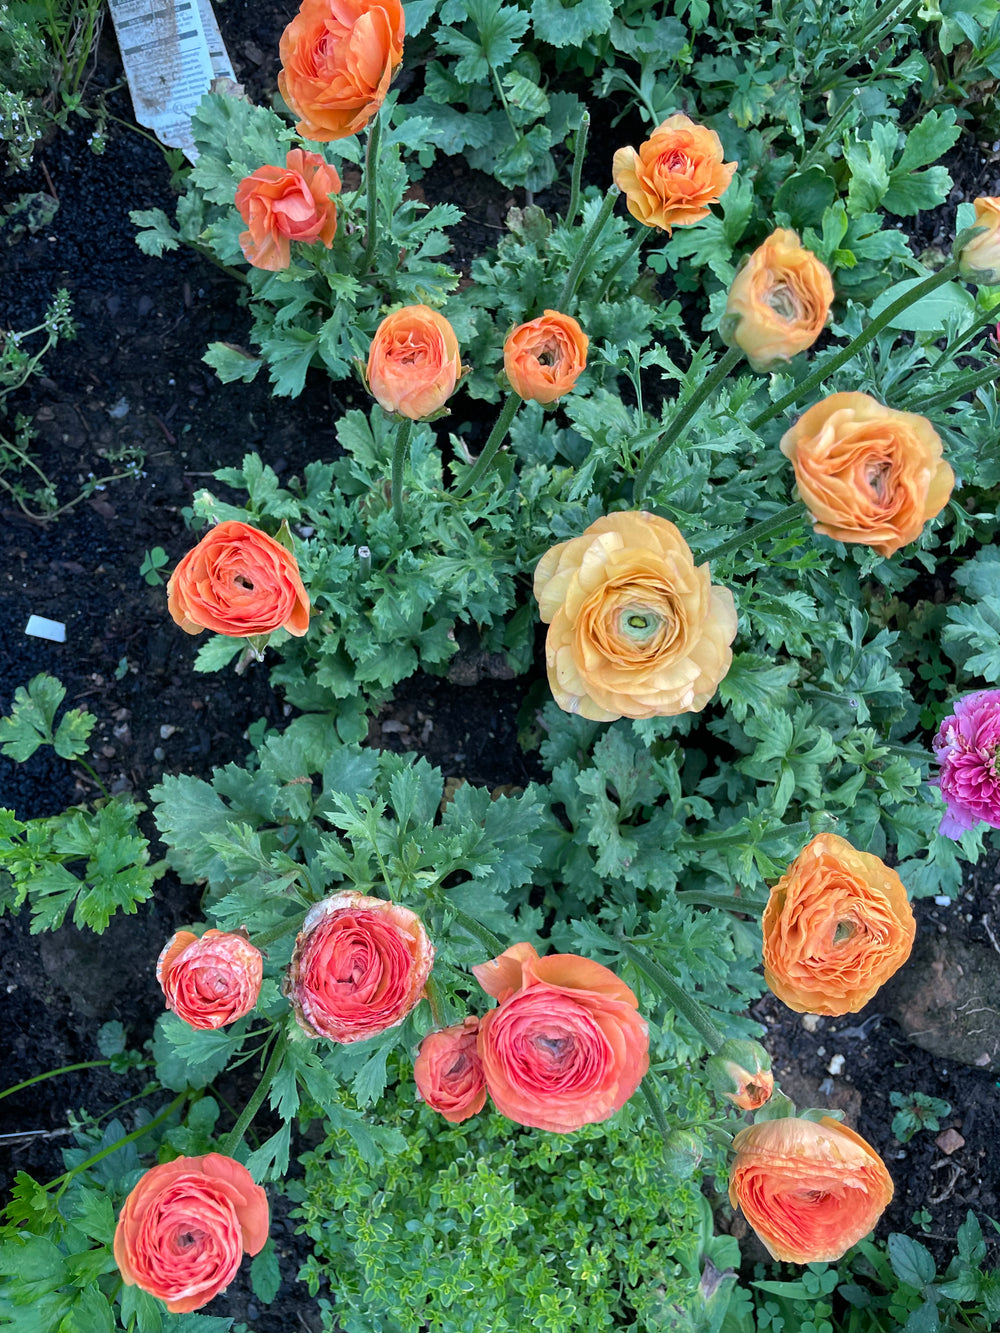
[(337, 61), (413, 362), (212, 981), (836, 926), (778, 302), (636, 629), (283, 204), (544, 358), (565, 1046), (675, 175), (449, 1073), (810, 1191), (979, 260), (238, 581), (868, 473)]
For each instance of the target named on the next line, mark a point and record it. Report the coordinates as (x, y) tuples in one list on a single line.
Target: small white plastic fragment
[(40, 628), (836, 1065), (943, 900)]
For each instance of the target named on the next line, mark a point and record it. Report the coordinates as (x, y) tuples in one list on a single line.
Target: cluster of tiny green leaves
[(485, 1224)]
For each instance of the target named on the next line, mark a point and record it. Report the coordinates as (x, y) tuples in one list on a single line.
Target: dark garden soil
[(132, 385)]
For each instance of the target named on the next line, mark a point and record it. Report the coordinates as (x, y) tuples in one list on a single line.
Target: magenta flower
[(967, 747)]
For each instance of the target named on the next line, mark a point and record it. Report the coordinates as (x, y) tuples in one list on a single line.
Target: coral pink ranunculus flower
[(449, 1073), (810, 1191), (212, 981), (544, 358), (185, 1227), (967, 747), (566, 1045), (283, 204), (413, 362), (358, 967)]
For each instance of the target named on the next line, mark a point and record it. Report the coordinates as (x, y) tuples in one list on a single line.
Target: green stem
[(276, 932), (783, 520), (866, 40), (486, 938), (53, 1073), (433, 997), (673, 431), (655, 1109), (901, 303), (492, 446), (583, 254), (579, 152), (676, 996), (371, 193), (63, 1180), (960, 339), (957, 389), (620, 263), (399, 453), (829, 130), (104, 791), (235, 1136), (726, 902)]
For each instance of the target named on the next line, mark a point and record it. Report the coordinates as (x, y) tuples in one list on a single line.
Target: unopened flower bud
[(682, 1154), (977, 249), (741, 1071)]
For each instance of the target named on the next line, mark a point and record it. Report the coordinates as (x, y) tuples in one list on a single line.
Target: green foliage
[(485, 1224), (30, 722), (916, 1111)]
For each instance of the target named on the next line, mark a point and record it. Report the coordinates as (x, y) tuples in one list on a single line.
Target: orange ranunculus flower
[(283, 204), (866, 472), (413, 362), (836, 926), (979, 259), (358, 967), (566, 1046), (238, 581), (778, 302), (184, 1229), (449, 1073), (212, 981), (675, 175), (544, 358), (810, 1191), (636, 629), (337, 61)]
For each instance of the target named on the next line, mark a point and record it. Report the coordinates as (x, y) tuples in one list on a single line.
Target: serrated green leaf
[(188, 1057), (217, 652), (29, 724), (90, 1313), (912, 1262), (265, 1275), (756, 683), (71, 734), (570, 24)]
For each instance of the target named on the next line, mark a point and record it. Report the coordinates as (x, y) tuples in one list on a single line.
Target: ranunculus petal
[(967, 746), (413, 362), (544, 358), (675, 175), (212, 981), (449, 1073), (778, 301)]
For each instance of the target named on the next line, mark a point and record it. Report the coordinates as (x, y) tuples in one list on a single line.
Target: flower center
[(876, 475), (784, 302), (638, 624), (844, 931)]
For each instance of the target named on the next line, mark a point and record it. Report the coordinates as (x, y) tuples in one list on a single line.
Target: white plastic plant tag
[(40, 628)]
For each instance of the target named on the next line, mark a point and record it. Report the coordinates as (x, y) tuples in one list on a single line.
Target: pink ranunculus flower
[(967, 747)]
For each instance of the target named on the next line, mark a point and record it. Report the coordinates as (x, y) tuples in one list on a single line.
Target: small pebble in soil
[(811, 1022), (836, 1065)]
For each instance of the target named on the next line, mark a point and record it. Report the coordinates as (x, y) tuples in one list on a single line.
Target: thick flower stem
[(371, 193), (276, 932), (686, 1005), (235, 1136), (492, 446), (748, 904), (881, 321), (579, 153), (583, 254), (655, 1109), (778, 523), (486, 938), (956, 390), (619, 264), (673, 431), (400, 450), (433, 997)]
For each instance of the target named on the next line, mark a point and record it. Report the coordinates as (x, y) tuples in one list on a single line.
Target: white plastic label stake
[(40, 628)]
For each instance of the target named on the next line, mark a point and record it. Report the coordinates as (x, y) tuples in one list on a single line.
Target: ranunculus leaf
[(912, 1262), (265, 1274)]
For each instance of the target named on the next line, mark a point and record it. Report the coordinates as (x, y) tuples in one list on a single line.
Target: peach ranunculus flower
[(836, 926), (238, 581), (810, 1191), (358, 967), (413, 362), (337, 61), (565, 1046), (449, 1073), (675, 175), (868, 473), (289, 203), (778, 302), (979, 259), (185, 1227), (212, 981), (544, 358), (636, 629)]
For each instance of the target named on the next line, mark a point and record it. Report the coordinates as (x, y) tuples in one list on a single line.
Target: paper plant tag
[(172, 50)]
